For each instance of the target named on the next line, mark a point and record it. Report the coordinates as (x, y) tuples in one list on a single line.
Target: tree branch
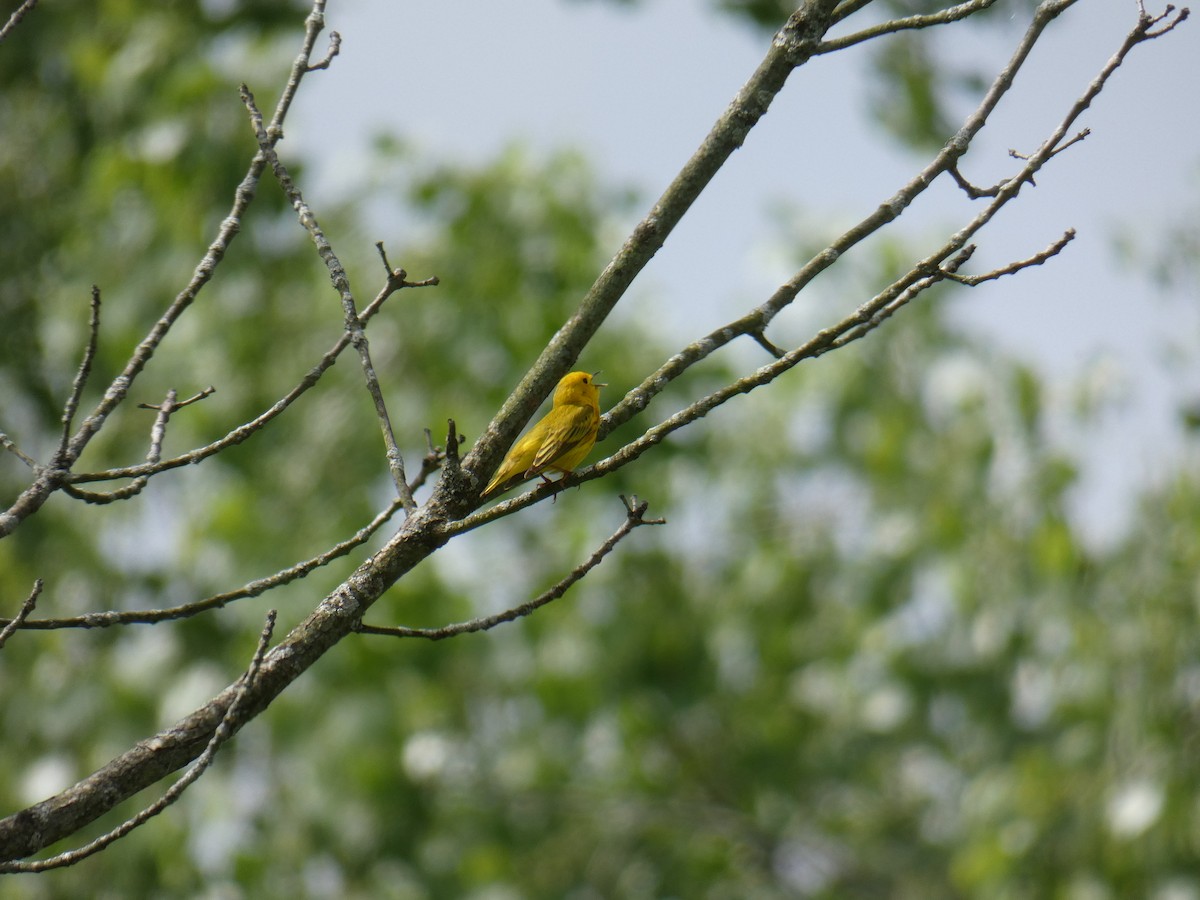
[(396, 281), (922, 276), (7, 443), (341, 284), (635, 511), (26, 832), (158, 433), (7, 627), (51, 479), (756, 321), (429, 527), (81, 377), (15, 19), (794, 45), (943, 17), (1012, 268), (223, 733), (217, 601)]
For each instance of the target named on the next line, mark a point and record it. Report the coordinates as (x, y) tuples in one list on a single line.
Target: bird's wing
[(518, 459), (569, 427)]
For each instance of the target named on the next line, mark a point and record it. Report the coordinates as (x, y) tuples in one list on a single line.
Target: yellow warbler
[(560, 440)]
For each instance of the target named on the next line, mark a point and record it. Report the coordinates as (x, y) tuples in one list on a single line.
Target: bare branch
[(242, 432), (81, 377), (158, 433), (760, 336), (15, 19), (635, 511), (341, 283), (50, 480), (1057, 150), (7, 443), (794, 45), (924, 275), (224, 731), (897, 295), (25, 832), (1165, 16), (195, 398), (848, 8), (314, 24), (855, 326), (396, 279), (217, 601), (26, 609), (335, 47), (1012, 268), (756, 321), (943, 17), (216, 251)]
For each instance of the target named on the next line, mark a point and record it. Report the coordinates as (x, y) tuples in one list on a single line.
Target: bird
[(560, 441)]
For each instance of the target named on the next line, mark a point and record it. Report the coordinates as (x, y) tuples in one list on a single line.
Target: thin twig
[(756, 321), (22, 614), (848, 8), (1057, 150), (341, 283), (943, 17), (335, 47), (314, 24), (895, 297), (223, 732), (180, 404), (395, 279), (6, 443), (1012, 268), (51, 480), (1150, 21), (972, 191), (218, 601), (15, 19), (430, 462), (81, 377), (242, 432), (761, 338), (216, 251), (158, 433), (635, 511), (857, 325)]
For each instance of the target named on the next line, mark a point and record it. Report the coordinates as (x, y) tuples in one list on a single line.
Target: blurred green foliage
[(868, 656)]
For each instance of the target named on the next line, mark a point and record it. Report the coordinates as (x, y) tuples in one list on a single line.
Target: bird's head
[(578, 389)]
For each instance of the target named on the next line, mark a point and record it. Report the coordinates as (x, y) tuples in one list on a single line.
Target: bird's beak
[(597, 383)]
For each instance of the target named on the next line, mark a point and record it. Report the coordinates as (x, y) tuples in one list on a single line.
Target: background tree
[(870, 653)]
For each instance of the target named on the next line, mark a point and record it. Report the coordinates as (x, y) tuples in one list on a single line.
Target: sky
[(637, 87)]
